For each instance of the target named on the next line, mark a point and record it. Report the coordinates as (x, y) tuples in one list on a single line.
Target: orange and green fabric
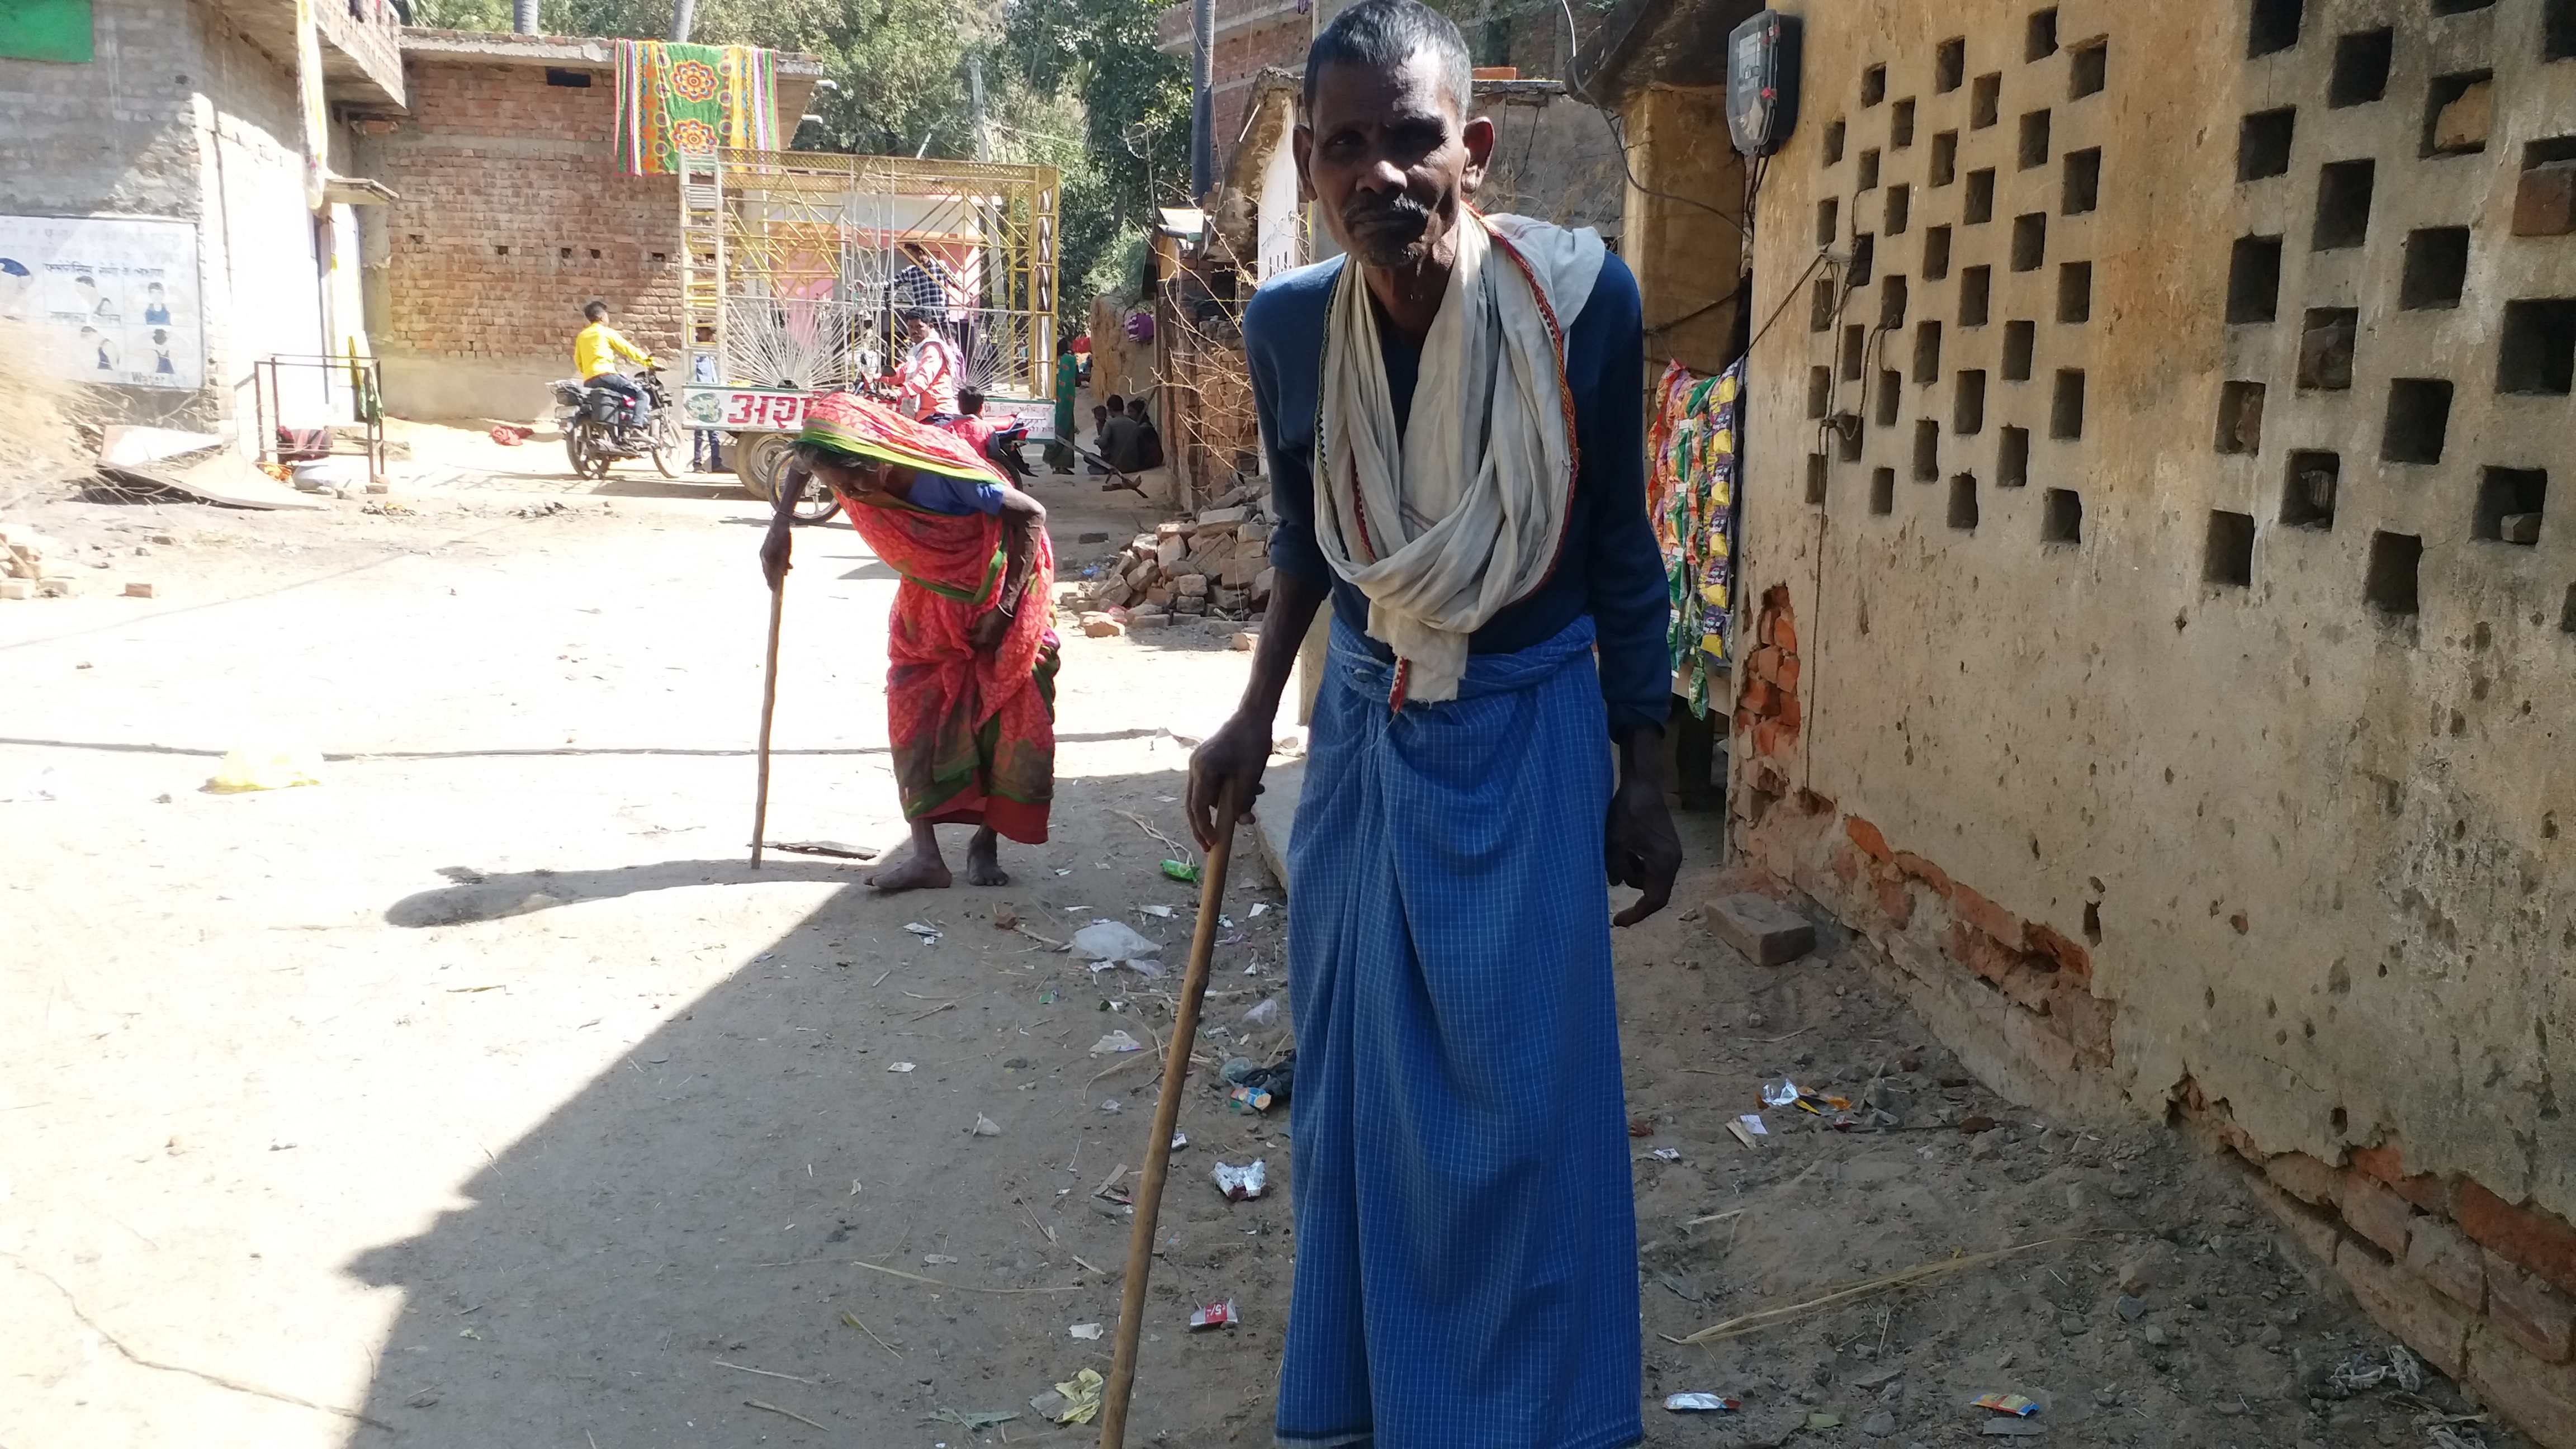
[(973, 731), (687, 99)]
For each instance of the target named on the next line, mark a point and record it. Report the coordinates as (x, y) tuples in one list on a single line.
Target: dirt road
[(480, 1094)]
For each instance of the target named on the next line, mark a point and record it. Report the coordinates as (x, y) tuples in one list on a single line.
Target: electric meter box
[(1762, 82)]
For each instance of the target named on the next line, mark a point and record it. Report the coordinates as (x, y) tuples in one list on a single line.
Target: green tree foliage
[(1135, 102)]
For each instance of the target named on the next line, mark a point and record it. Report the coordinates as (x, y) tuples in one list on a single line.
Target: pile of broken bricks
[(36, 566), (1215, 567)]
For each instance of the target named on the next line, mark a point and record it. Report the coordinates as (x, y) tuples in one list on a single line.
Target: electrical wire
[(1619, 142)]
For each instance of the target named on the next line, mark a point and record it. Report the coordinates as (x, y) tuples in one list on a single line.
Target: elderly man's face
[(1391, 158)]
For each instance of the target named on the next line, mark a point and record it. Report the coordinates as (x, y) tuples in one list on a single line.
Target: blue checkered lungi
[(1466, 1233)]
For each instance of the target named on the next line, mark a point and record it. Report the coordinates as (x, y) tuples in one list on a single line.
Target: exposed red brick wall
[(513, 214), (2483, 1288)]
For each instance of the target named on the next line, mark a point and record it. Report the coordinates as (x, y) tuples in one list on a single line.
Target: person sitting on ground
[(1149, 443), (930, 371), (971, 661), (1118, 439), (1099, 425), (595, 350)]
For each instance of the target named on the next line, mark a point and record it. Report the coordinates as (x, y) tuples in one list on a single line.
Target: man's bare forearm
[(1293, 602), (1641, 755)]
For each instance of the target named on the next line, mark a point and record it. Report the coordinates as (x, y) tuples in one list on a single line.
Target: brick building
[(512, 214), (2162, 624), (157, 233)]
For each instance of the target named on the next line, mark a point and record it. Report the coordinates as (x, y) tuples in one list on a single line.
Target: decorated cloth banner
[(675, 100), (1690, 457)]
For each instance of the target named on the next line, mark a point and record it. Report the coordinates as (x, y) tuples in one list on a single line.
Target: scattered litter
[(1084, 1330), (1247, 1099), (1047, 997), (1074, 1401), (1116, 1041), (929, 934), (1641, 1127), (1112, 943), (1180, 1139), (971, 1423), (266, 768), (986, 1126), (1819, 1422), (2367, 1370), (1787, 1093), (898, 1066), (1261, 908), (1683, 1286), (1702, 1404), (2445, 1437), (936, 1260), (1742, 1133), (1159, 912), (1181, 871), (1109, 1104), (2013, 1404), (1236, 1069), (1263, 1012), (1667, 1154), (1217, 1315), (1753, 1123), (1064, 870), (1242, 1184)]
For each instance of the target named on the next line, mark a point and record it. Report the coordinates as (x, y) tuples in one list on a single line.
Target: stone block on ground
[(138, 590), (1101, 626), (1223, 515), (1767, 932), (17, 589), (1245, 641)]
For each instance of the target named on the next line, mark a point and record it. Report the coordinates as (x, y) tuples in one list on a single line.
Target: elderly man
[(1454, 417)]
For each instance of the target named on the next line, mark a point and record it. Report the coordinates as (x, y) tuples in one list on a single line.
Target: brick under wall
[(2483, 1288), (513, 215)]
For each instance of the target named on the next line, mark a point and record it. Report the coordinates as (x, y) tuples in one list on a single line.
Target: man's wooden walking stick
[(1167, 1116), (787, 489)]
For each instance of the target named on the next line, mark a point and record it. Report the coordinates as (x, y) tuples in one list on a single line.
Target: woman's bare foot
[(924, 869), (983, 863), (917, 872)]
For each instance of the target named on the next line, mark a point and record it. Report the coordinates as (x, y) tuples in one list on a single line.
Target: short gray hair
[(1384, 34)]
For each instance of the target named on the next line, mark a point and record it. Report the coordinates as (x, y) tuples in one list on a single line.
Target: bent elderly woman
[(971, 658)]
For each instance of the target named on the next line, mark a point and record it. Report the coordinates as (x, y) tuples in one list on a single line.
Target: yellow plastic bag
[(266, 768)]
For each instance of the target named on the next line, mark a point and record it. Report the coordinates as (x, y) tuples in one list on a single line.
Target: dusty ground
[(481, 1095)]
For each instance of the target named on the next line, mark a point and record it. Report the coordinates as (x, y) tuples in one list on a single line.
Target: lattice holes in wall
[(1962, 315)]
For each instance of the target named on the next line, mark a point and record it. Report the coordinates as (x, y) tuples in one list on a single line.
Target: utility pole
[(684, 18), (523, 17), (1202, 100), (975, 96)]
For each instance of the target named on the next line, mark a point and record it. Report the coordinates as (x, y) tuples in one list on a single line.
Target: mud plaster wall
[(2085, 662)]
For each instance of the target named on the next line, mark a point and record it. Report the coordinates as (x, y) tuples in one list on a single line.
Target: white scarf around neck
[(1459, 513)]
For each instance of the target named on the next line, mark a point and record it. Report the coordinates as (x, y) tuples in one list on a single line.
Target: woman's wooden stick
[(769, 689), (1167, 1116)]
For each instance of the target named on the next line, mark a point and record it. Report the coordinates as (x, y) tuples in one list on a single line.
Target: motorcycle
[(596, 434)]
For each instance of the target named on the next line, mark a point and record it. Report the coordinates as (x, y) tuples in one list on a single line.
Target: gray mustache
[(1395, 211)]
